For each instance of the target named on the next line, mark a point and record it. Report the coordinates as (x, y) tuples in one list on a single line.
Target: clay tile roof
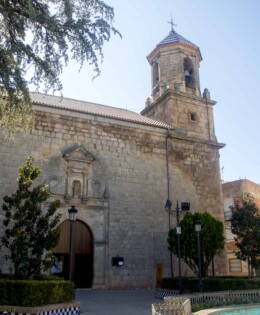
[(174, 37), (95, 109)]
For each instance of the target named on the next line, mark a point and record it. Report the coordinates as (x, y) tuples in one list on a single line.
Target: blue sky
[(228, 34)]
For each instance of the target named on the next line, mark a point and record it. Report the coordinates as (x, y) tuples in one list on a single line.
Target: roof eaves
[(151, 122)]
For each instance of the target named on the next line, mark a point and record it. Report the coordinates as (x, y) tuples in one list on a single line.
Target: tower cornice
[(171, 93)]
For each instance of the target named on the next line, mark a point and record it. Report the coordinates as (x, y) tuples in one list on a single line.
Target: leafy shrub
[(30, 230), (6, 276), (35, 292), (46, 277), (213, 284), (9, 276)]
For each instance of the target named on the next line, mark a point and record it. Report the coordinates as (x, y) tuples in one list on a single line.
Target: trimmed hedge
[(8, 276), (212, 284), (44, 277), (35, 293)]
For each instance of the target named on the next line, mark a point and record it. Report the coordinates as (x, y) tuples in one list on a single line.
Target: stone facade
[(234, 190), (233, 194), (118, 172)]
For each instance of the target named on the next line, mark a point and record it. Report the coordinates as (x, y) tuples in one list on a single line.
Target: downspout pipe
[(168, 189)]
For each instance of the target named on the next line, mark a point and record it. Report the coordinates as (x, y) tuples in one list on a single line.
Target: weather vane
[(172, 22)]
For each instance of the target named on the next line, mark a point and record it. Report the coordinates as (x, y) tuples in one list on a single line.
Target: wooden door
[(82, 253)]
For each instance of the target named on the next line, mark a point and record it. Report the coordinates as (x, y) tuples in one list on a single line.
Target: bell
[(187, 73)]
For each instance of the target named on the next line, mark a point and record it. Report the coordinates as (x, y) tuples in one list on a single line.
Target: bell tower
[(175, 65), (176, 96), (191, 147)]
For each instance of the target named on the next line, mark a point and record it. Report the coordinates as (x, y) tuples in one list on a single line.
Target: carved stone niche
[(79, 170)]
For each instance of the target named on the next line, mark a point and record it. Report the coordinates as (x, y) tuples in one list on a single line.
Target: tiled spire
[(174, 37)]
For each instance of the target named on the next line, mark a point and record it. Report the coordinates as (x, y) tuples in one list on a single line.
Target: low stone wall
[(181, 304), (72, 308), (177, 306), (245, 296)]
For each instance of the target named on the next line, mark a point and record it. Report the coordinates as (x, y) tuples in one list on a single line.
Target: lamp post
[(197, 230), (185, 206), (178, 232), (72, 217)]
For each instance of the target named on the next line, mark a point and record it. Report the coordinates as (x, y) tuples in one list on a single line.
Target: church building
[(118, 168)]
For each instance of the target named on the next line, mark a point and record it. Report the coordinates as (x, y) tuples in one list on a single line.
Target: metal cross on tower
[(171, 22)]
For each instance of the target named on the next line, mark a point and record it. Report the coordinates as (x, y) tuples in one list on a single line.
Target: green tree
[(37, 39), (29, 231), (245, 225), (211, 240)]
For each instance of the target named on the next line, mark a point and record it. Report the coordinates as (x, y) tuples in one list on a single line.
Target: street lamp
[(178, 232), (72, 217), (185, 206), (197, 224)]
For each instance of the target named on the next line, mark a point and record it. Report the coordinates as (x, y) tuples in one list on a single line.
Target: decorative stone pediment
[(79, 154), (81, 183)]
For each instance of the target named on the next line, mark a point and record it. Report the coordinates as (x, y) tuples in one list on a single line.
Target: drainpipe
[(167, 163), (168, 189)]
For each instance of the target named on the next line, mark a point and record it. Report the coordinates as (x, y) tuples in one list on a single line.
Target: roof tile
[(95, 109), (174, 37)]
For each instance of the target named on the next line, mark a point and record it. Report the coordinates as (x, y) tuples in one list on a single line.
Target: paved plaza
[(115, 302)]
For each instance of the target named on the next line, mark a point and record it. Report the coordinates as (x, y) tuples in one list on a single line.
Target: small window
[(193, 117), (235, 265)]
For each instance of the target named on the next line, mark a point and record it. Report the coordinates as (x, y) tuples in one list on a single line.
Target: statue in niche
[(76, 189)]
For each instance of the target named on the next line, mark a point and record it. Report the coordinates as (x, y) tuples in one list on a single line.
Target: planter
[(72, 308)]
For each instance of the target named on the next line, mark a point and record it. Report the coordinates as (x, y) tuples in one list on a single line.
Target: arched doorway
[(82, 253)]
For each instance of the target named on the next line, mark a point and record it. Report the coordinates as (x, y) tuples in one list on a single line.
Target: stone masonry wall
[(188, 114), (236, 189), (130, 165)]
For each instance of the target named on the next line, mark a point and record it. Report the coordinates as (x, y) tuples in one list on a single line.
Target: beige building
[(118, 168), (233, 194)]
